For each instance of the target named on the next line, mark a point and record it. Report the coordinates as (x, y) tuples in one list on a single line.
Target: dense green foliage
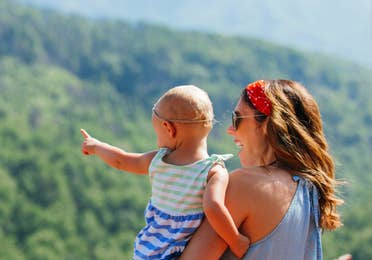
[(61, 73), (320, 26)]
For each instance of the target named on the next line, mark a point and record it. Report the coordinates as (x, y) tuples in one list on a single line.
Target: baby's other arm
[(218, 215), (115, 157)]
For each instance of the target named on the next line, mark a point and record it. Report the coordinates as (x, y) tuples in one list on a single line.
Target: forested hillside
[(340, 27), (62, 73)]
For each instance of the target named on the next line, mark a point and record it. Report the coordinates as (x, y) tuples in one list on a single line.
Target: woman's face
[(249, 136)]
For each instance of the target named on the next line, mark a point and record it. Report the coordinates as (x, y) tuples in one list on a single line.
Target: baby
[(186, 182)]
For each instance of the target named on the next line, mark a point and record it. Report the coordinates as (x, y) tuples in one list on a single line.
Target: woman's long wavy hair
[(295, 131)]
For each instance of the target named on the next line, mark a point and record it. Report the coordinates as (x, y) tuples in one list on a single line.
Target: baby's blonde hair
[(186, 103)]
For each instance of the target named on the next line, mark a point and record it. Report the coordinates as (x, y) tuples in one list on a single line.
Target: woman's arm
[(204, 244)]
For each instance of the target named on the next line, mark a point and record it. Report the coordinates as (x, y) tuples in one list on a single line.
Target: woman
[(284, 194)]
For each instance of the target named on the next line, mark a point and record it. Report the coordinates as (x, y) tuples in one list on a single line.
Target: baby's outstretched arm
[(218, 215), (116, 157)]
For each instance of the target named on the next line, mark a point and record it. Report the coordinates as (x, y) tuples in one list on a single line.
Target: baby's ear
[(171, 130)]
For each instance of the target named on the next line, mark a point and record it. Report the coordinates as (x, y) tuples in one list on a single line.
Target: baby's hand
[(241, 246), (89, 144)]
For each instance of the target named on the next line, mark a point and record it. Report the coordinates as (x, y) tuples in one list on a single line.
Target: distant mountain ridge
[(342, 28)]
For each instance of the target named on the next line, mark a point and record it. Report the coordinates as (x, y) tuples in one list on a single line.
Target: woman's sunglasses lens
[(235, 120)]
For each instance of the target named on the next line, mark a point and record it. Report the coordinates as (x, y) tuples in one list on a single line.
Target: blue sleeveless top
[(297, 236)]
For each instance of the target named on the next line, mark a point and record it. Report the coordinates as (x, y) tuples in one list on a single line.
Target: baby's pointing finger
[(84, 133)]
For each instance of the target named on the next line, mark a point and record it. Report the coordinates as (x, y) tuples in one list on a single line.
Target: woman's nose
[(230, 130)]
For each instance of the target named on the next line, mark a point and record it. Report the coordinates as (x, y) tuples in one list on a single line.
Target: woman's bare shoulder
[(250, 175), (258, 199), (245, 182), (260, 180)]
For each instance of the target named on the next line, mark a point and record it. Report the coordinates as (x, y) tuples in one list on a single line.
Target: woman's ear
[(264, 126), (171, 130)]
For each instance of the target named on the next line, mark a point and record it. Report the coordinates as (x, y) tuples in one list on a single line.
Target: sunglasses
[(236, 119)]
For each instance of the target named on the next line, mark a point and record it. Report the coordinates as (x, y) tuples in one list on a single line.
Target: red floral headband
[(257, 96)]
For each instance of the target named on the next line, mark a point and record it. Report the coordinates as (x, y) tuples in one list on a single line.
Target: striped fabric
[(175, 210)]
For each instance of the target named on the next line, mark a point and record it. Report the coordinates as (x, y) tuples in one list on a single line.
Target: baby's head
[(186, 104)]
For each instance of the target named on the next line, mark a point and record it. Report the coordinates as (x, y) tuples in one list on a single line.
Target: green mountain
[(338, 27), (60, 73)]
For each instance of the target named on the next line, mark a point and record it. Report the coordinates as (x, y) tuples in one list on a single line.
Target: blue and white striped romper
[(175, 209)]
